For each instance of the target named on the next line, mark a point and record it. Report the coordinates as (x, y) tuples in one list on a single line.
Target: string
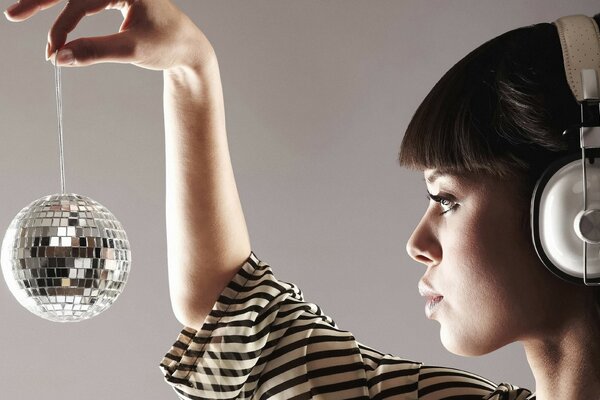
[(59, 112)]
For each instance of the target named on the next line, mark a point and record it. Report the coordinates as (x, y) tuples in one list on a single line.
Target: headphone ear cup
[(556, 203)]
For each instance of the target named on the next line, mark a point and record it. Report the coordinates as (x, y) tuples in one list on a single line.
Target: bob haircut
[(501, 110)]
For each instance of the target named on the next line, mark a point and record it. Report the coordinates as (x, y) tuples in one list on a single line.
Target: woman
[(247, 334), (483, 136)]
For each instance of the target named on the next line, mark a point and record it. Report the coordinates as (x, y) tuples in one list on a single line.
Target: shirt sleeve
[(263, 341)]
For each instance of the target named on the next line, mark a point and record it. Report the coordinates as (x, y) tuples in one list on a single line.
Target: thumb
[(118, 48)]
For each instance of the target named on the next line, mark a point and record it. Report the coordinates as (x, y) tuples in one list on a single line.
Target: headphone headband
[(580, 42)]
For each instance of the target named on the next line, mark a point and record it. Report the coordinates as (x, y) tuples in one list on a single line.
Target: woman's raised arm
[(206, 231)]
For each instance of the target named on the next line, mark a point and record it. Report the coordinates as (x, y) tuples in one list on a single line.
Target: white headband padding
[(580, 41)]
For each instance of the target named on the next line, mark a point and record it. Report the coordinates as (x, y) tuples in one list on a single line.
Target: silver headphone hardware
[(590, 84), (587, 226), (587, 221)]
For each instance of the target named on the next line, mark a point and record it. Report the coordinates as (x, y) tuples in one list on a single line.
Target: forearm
[(207, 239)]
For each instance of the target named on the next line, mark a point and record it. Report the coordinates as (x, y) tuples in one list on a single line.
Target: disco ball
[(65, 257)]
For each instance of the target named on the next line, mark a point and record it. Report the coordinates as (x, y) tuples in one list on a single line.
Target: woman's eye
[(447, 205), (445, 202)]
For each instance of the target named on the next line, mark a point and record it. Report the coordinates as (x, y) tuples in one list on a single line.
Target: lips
[(433, 298), (432, 304)]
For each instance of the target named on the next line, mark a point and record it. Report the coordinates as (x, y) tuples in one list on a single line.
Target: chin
[(466, 345)]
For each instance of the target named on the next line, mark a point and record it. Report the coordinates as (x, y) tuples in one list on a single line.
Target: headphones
[(565, 206)]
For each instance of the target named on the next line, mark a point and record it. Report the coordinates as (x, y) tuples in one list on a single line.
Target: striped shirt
[(263, 341)]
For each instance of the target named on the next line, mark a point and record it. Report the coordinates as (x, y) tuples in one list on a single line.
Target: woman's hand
[(154, 34)]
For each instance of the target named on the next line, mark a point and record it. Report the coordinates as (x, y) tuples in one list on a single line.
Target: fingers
[(119, 47), (68, 19), (26, 8), (84, 50)]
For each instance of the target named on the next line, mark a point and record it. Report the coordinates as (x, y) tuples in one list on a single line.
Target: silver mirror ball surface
[(65, 257)]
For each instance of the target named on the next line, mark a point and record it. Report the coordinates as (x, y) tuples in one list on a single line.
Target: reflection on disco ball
[(65, 257)]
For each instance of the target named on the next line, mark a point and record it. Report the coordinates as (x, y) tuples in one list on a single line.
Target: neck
[(565, 360)]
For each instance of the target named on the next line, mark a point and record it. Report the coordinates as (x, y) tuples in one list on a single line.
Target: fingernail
[(47, 51), (65, 56)]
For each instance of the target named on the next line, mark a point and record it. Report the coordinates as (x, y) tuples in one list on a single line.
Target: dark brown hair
[(501, 110)]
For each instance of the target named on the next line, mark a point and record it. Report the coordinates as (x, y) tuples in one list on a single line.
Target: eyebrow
[(444, 173), (436, 174)]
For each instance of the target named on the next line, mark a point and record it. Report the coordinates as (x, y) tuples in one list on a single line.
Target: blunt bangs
[(500, 110)]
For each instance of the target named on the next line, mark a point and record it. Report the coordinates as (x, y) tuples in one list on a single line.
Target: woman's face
[(484, 283)]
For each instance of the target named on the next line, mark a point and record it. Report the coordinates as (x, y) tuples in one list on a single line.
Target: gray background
[(317, 94)]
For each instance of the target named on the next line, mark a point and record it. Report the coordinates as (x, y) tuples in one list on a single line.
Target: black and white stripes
[(263, 341)]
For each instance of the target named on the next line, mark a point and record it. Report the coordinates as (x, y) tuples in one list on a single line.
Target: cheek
[(475, 271), (498, 245), (478, 254), (500, 259), (477, 277)]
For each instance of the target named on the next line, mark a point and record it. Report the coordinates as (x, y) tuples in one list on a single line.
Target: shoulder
[(506, 391)]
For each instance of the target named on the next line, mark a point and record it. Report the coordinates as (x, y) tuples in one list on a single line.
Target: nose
[(423, 245)]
